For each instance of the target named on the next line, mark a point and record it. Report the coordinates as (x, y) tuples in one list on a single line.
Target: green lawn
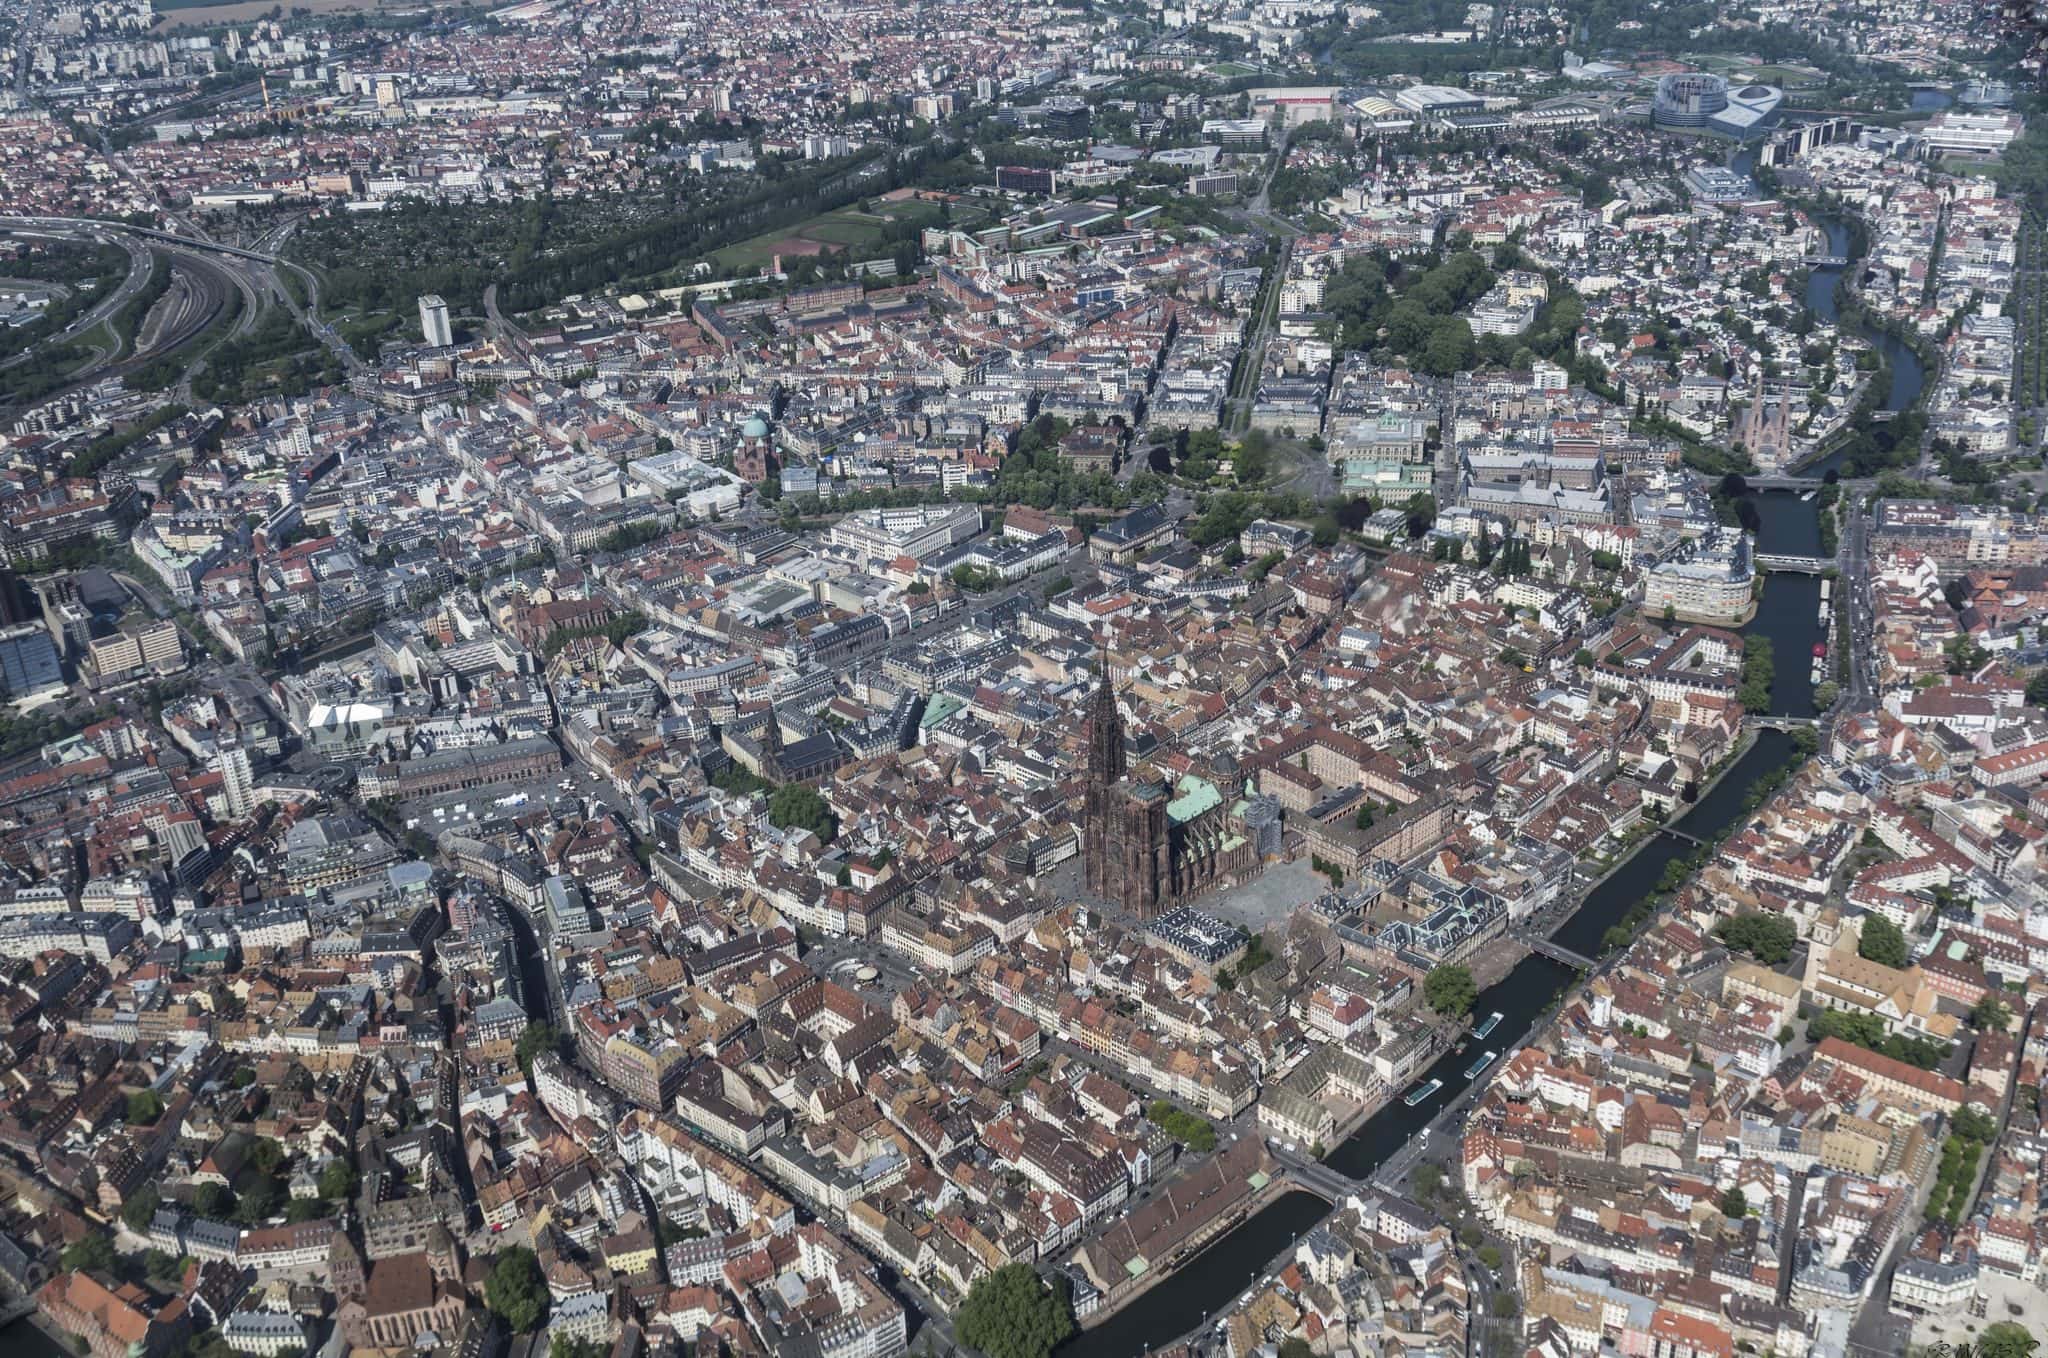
[(925, 214), (853, 231), (856, 232)]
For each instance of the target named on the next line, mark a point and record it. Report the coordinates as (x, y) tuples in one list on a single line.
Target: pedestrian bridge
[(1780, 561), (1827, 261)]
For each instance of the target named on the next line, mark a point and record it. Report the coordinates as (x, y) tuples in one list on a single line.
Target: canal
[(1788, 614), (1217, 1275), (1212, 1279), (1907, 374)]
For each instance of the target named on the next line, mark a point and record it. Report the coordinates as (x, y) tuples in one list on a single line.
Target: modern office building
[(139, 643), (1688, 99), (1439, 101), (1954, 132), (1695, 99), (1714, 184), (29, 662), (1027, 179), (434, 321), (238, 778), (1063, 115), (1752, 110)]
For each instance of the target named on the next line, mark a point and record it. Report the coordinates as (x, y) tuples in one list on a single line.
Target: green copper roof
[(1192, 797), (942, 706)]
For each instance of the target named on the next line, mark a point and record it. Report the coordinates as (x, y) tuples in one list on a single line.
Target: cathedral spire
[(1105, 729)]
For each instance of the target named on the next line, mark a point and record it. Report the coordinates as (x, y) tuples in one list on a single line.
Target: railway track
[(201, 292), (139, 263), (269, 265)]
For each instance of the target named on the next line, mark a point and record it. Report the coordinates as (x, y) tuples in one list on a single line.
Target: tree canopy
[(533, 1040), (798, 805), (1882, 942), (515, 1292), (140, 1208), (1767, 938), (145, 1106), (1451, 990), (93, 1252), (1869, 1031), (1990, 1012), (1193, 1132), (2006, 1340), (1973, 1124), (338, 1180), (1013, 1313), (212, 1200)]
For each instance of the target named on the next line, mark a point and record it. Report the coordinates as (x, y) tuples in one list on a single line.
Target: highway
[(200, 291), (139, 263), (213, 268)]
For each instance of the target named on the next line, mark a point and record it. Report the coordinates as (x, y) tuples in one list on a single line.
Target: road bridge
[(1552, 949), (1320, 1179)]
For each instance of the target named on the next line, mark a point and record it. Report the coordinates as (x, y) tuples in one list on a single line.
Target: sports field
[(849, 229)]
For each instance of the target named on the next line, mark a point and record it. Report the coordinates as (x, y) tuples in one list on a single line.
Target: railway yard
[(180, 300)]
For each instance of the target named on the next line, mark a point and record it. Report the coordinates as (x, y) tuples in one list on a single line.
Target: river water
[(1220, 1273), (1789, 615), (1907, 373), (1212, 1279), (1789, 612)]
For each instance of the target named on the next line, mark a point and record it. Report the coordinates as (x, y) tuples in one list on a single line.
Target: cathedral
[(1150, 848)]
